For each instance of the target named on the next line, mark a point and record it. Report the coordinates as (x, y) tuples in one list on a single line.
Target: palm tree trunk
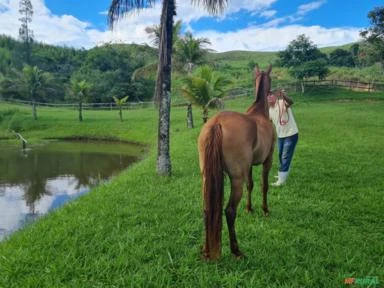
[(164, 94), (121, 113), (189, 116), (81, 110), (34, 112)]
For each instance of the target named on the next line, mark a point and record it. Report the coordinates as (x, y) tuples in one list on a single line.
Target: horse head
[(262, 88), (262, 82)]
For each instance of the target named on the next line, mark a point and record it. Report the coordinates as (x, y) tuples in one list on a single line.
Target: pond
[(37, 180)]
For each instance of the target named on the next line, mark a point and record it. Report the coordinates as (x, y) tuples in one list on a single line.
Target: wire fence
[(346, 84), (232, 94)]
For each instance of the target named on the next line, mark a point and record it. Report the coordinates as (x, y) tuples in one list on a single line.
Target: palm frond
[(220, 85), (206, 73), (118, 8), (144, 71), (212, 6), (120, 102)]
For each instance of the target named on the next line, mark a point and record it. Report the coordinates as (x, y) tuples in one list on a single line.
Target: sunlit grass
[(142, 230)]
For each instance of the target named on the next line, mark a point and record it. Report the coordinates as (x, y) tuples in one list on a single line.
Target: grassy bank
[(141, 230)]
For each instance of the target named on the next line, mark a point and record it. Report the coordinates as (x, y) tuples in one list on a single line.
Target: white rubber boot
[(281, 179)]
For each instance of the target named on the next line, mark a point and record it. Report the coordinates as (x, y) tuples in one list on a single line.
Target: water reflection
[(44, 178)]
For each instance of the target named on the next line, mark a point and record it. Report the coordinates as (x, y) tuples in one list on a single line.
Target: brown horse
[(231, 143)]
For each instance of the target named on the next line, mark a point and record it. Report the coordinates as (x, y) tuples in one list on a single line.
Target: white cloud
[(68, 30), (268, 13), (14, 210), (250, 5), (274, 39), (305, 8)]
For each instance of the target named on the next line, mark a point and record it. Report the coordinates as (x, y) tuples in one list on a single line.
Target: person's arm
[(288, 100)]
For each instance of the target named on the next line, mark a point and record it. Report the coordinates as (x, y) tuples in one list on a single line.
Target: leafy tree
[(25, 33), (375, 34), (309, 69), (368, 54), (251, 65), (341, 57), (299, 51), (35, 83), (304, 60), (163, 83), (355, 53), (120, 103), (190, 51), (79, 91), (204, 87), (5, 61), (110, 69)]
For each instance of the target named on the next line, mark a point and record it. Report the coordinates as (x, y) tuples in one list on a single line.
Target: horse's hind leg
[(264, 183), (249, 189), (230, 213)]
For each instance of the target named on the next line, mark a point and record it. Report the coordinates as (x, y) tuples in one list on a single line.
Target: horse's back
[(240, 141)]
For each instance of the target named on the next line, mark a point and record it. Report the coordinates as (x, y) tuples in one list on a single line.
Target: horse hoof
[(206, 256), (238, 255)]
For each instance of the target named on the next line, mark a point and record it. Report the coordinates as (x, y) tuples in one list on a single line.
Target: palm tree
[(31, 83), (5, 61), (154, 32), (34, 81), (205, 88), (163, 84), (190, 51), (120, 103), (79, 91)]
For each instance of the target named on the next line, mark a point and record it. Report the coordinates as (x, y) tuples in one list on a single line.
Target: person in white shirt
[(280, 113)]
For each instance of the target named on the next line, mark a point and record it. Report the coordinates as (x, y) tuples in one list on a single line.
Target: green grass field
[(142, 230)]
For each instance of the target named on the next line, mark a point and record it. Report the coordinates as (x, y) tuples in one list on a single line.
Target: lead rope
[(281, 120)]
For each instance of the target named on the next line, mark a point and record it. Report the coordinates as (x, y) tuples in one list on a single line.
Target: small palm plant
[(80, 91), (205, 88), (120, 103)]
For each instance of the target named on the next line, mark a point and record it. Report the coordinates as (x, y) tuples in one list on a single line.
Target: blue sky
[(258, 25)]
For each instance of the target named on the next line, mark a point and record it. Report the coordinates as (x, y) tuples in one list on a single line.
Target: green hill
[(109, 69)]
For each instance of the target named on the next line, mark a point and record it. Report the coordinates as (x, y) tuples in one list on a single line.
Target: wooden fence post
[(189, 116)]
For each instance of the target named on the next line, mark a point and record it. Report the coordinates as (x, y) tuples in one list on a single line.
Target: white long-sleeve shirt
[(282, 118)]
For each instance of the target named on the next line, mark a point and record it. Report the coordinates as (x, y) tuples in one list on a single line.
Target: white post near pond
[(23, 140)]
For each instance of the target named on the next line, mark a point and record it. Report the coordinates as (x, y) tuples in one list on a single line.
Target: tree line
[(107, 69)]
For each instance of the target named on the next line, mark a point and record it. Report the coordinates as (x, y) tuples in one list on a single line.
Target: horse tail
[(213, 191)]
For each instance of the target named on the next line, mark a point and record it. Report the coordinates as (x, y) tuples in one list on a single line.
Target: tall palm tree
[(190, 51), (163, 85), (34, 82)]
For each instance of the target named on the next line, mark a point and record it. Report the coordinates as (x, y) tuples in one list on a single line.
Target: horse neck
[(260, 106), (257, 109)]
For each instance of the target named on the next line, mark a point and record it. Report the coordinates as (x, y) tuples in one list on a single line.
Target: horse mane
[(261, 92), (259, 87)]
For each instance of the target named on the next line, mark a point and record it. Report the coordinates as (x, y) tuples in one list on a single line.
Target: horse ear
[(269, 69), (257, 70)]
